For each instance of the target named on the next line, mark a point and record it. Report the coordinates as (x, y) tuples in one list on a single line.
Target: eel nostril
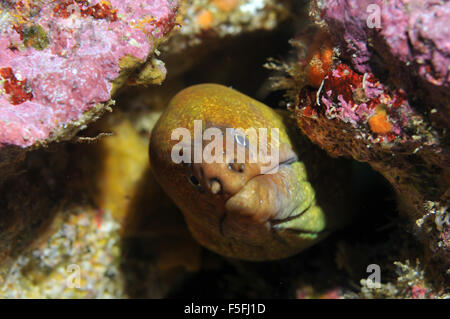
[(215, 186), (237, 167)]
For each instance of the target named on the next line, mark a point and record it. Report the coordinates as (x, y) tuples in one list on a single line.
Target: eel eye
[(241, 139)]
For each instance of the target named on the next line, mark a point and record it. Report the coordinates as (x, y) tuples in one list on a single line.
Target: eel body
[(249, 207)]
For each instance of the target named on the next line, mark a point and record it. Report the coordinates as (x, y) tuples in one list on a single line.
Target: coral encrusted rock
[(62, 61)]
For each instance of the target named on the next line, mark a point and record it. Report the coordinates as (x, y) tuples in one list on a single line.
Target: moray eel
[(251, 210)]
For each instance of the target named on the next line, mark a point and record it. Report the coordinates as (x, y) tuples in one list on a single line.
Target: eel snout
[(222, 179)]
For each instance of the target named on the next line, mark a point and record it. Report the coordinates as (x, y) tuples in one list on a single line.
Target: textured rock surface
[(210, 25), (61, 61), (110, 229), (384, 100), (80, 260), (202, 19), (99, 198)]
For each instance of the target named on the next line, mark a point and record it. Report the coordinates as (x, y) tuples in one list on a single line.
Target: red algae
[(353, 98), (16, 89)]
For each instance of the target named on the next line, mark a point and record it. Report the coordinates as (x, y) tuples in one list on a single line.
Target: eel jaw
[(255, 213)]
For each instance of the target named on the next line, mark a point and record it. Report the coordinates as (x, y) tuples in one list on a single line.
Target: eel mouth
[(274, 222), (277, 227), (270, 171), (262, 208)]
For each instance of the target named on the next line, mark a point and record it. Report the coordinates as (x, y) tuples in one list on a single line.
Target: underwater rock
[(410, 40), (409, 284), (80, 260), (61, 62), (200, 19), (109, 233), (355, 115), (156, 250), (384, 101)]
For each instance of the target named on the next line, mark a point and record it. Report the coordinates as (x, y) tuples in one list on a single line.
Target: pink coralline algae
[(408, 39), (385, 101), (58, 60), (357, 116)]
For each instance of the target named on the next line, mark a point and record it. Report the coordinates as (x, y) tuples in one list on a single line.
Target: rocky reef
[(82, 83), (372, 84)]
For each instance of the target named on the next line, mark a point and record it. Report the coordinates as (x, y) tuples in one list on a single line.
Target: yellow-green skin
[(254, 216)]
